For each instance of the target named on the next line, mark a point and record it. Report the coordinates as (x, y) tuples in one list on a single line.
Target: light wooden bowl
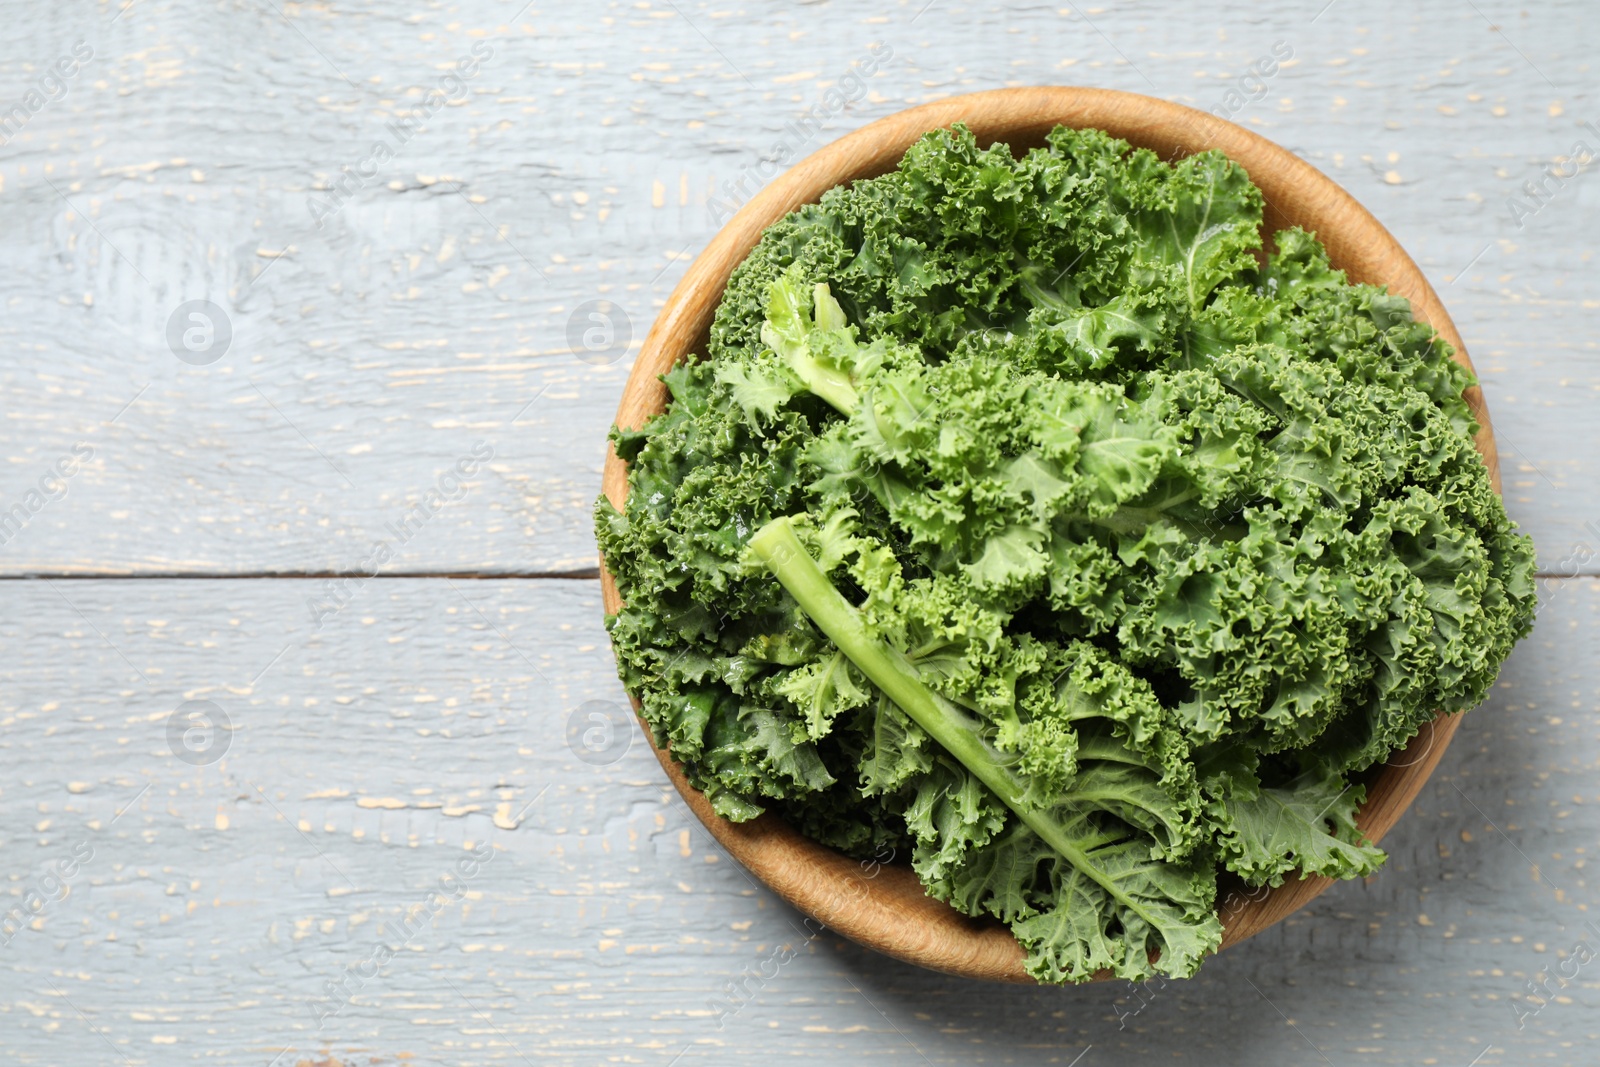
[(884, 907)]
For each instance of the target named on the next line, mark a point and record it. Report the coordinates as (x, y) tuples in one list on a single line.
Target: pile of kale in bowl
[(1022, 514)]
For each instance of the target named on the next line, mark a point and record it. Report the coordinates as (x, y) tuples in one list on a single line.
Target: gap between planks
[(579, 574)]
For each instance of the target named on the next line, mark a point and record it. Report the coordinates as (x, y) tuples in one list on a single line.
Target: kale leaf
[(1024, 512)]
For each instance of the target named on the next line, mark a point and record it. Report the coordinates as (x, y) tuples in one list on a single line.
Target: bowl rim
[(881, 904)]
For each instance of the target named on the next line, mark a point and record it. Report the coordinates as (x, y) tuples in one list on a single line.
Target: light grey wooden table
[(387, 770)]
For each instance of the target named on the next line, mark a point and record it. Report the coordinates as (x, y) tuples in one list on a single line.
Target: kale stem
[(829, 383), (888, 669)]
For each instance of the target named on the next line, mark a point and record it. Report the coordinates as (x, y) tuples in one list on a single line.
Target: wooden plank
[(370, 353), (368, 758), (430, 311)]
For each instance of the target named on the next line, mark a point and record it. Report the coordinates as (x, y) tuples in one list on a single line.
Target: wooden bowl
[(884, 907)]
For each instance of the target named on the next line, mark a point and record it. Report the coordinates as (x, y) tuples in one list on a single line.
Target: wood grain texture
[(426, 314), (609, 927)]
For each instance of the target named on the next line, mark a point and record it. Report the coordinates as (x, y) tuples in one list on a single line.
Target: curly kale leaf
[(1033, 515)]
